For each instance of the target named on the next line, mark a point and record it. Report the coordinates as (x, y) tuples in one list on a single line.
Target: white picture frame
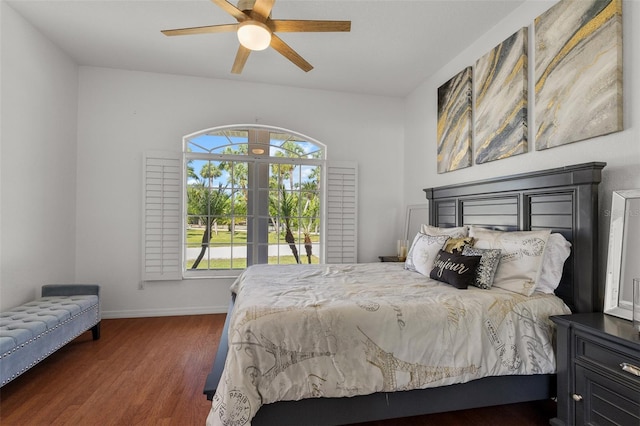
[(624, 250), (417, 214)]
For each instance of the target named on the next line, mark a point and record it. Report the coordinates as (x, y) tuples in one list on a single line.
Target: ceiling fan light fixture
[(254, 35)]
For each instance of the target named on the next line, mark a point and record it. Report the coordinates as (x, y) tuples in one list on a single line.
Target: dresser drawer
[(605, 353), (603, 401)]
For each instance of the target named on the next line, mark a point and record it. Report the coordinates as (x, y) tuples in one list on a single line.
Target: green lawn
[(194, 239)]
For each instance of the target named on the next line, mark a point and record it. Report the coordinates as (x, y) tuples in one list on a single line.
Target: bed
[(563, 200)]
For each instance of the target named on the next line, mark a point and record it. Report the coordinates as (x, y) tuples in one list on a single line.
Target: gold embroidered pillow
[(522, 254), (455, 269), (455, 245)]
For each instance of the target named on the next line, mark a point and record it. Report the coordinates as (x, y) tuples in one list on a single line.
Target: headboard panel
[(564, 200)]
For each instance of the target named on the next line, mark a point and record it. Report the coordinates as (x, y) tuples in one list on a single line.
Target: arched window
[(253, 195), (243, 195)]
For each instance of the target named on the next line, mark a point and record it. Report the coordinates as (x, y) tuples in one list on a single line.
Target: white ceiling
[(392, 47)]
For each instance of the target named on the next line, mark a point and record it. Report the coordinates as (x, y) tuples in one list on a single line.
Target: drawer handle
[(630, 368), (576, 397)]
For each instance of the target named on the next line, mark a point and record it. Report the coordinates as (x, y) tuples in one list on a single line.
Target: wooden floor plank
[(151, 371)]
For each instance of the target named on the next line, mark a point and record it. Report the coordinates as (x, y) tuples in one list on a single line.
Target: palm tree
[(239, 180), (210, 171), (310, 212), (286, 210), (210, 204), (290, 149)]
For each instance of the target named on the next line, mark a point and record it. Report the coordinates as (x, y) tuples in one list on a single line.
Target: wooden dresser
[(598, 370)]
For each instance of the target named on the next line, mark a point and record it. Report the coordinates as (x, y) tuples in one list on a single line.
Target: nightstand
[(390, 259), (598, 357)]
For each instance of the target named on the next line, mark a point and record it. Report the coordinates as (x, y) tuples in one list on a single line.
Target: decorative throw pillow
[(556, 254), (455, 245), (522, 254), (423, 251), (455, 269), (457, 232), (487, 267)]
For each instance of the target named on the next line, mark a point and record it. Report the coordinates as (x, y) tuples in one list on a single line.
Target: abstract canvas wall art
[(578, 71), (454, 122), (501, 93)]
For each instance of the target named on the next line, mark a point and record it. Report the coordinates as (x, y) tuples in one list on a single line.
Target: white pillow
[(557, 252), (423, 252), (457, 232), (522, 253)]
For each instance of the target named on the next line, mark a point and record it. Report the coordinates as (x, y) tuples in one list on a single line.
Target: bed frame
[(563, 199)]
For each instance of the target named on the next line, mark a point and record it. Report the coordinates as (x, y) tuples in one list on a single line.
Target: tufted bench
[(31, 332)]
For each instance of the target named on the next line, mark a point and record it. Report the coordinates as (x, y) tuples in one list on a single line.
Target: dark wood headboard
[(564, 200)]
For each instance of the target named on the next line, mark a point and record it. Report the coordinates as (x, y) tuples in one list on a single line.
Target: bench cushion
[(28, 321)]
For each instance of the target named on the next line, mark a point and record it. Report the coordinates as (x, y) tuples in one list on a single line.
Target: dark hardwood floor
[(151, 371)]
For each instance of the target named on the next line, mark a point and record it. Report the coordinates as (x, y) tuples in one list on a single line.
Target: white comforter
[(306, 331)]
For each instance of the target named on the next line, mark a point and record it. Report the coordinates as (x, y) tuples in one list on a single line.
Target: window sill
[(187, 275)]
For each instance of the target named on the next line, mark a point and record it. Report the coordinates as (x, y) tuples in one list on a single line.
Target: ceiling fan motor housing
[(247, 6)]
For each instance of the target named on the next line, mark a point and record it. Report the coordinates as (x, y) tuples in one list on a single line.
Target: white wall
[(621, 151), (37, 170), (123, 114)]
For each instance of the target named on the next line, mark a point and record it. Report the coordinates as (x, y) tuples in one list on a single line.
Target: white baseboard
[(201, 310)]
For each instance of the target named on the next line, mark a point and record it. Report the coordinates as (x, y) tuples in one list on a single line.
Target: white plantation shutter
[(342, 213), (162, 216)]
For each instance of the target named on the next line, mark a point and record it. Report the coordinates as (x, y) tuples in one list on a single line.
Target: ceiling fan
[(256, 30)]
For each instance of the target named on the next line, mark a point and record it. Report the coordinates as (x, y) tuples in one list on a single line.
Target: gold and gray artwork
[(454, 122), (578, 71), (501, 100)]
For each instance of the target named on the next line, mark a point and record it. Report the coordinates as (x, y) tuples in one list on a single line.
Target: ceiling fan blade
[(289, 53), (231, 10), (294, 25), (201, 30), (241, 59), (262, 9)]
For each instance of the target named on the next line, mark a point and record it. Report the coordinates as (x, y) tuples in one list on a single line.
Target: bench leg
[(95, 331)]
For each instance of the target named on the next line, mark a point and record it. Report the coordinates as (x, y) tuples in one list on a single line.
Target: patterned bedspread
[(306, 331)]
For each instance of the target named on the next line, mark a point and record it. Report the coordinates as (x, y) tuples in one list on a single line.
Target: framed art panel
[(454, 123), (578, 71), (501, 100)]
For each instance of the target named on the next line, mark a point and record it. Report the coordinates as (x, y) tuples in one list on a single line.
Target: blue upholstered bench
[(31, 332)]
